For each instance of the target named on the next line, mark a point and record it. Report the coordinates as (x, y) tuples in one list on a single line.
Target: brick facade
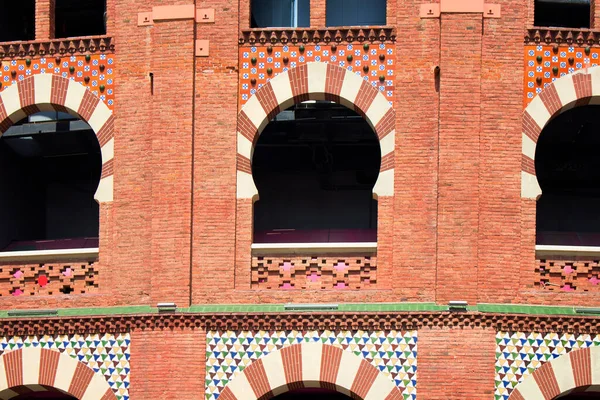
[(457, 102)]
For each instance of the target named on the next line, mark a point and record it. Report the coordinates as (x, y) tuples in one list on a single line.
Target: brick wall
[(456, 363), (458, 229), (167, 364)]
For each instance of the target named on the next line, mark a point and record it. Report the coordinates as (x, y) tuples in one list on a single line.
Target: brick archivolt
[(311, 365), (315, 81), (574, 371), (36, 368), (48, 92), (567, 92)]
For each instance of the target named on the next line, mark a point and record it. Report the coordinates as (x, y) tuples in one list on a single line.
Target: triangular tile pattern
[(107, 354), (518, 354), (394, 353)]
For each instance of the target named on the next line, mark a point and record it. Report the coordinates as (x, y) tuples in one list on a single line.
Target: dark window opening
[(566, 164), (80, 18), (355, 12), (50, 167), (48, 395), (17, 20), (315, 166), (593, 394), (313, 394), (562, 13), (280, 13)]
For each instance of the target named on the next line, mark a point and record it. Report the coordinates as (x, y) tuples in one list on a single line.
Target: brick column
[(318, 9), (595, 14), (500, 157), (459, 141), (44, 19)]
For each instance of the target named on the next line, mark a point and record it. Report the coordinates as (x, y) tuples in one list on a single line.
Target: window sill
[(363, 248), (544, 251), (90, 254)]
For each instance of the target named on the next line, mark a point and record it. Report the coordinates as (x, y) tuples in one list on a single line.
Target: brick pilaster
[(44, 19)]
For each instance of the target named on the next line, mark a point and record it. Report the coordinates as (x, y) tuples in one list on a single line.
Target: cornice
[(70, 46), (300, 321), (307, 35), (576, 37)]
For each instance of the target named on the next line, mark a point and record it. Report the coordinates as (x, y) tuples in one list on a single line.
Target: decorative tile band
[(330, 272), (544, 63), (316, 36), (374, 63), (393, 353), (90, 44), (106, 354), (518, 354), (48, 279), (566, 36), (94, 71), (568, 275)]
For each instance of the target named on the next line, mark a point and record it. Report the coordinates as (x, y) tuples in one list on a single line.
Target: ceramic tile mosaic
[(394, 353), (107, 354), (518, 354), (97, 73), (256, 63), (541, 61)]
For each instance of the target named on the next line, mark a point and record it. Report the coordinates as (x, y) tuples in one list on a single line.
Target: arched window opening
[(80, 18), (568, 212), (315, 166), (50, 166), (562, 13), (50, 394), (17, 20), (312, 394), (580, 395)]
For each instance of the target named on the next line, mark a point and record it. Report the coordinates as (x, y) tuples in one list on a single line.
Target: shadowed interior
[(315, 166), (51, 166), (568, 212)]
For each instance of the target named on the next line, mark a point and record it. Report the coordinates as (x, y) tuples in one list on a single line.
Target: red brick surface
[(455, 229), (456, 363)]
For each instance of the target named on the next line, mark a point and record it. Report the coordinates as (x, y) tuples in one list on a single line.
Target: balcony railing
[(48, 272)]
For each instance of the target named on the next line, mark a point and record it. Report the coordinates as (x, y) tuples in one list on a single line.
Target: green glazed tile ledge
[(280, 308)]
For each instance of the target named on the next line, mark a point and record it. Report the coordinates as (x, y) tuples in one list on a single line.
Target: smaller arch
[(49, 92), (315, 81), (579, 88), (36, 368), (562, 375), (310, 365)]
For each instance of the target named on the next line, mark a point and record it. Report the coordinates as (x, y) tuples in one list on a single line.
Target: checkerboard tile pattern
[(106, 354), (375, 63), (394, 353), (518, 354), (546, 63), (96, 72)]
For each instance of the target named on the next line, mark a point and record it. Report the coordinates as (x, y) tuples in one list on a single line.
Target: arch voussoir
[(38, 369), (311, 365), (45, 92), (575, 371), (572, 90), (315, 81)]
